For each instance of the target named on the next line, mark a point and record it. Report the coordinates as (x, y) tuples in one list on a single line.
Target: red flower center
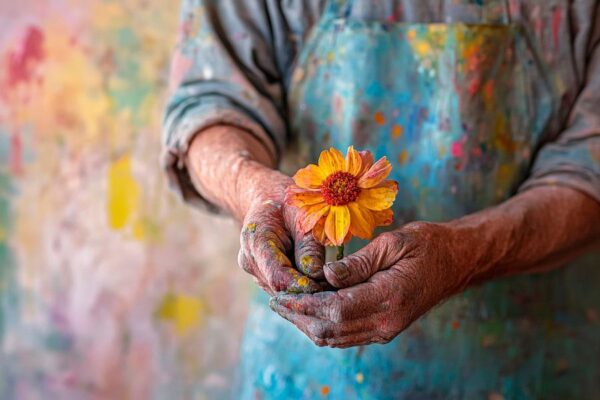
[(340, 188)]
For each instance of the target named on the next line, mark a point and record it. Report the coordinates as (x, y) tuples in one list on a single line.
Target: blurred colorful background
[(110, 288)]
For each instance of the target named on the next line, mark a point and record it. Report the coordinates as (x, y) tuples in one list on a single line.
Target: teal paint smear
[(8, 292)]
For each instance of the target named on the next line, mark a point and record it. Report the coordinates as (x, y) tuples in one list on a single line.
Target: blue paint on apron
[(459, 110)]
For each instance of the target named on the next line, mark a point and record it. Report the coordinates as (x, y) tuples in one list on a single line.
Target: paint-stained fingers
[(322, 331), (357, 339), (378, 255), (246, 262), (347, 304), (309, 255), (276, 269)]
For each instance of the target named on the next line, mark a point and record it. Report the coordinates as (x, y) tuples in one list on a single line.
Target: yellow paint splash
[(184, 312), (124, 196), (397, 131), (403, 157), (422, 48), (303, 281), (306, 261), (281, 258)]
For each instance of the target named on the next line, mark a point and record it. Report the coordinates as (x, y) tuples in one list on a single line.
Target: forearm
[(536, 230), (226, 165)]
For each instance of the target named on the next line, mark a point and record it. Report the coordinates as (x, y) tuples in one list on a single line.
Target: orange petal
[(310, 215), (353, 161), (302, 197), (310, 177), (380, 197), (319, 233), (377, 173), (383, 217), (367, 161), (337, 224), (331, 161), (362, 222)]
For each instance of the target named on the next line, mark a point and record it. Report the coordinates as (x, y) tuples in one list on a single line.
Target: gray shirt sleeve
[(573, 159), (227, 69)]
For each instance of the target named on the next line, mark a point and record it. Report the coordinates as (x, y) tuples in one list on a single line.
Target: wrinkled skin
[(230, 168), (400, 275), (384, 287), (269, 235)]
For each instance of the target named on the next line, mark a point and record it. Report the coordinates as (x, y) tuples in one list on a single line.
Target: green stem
[(340, 252)]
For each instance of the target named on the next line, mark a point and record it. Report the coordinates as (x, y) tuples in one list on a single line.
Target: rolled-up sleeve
[(573, 159), (224, 71)]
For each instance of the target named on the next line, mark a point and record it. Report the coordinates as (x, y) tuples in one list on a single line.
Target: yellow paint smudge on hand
[(251, 227), (306, 261), (184, 312), (303, 281), (123, 197)]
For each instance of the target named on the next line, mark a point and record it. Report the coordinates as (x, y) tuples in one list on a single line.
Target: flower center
[(340, 188)]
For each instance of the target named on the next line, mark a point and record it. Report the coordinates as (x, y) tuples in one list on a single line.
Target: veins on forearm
[(537, 230)]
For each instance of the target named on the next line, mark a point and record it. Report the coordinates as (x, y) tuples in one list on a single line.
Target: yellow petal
[(310, 215), (353, 161), (310, 177), (299, 197), (337, 224), (331, 161), (362, 222), (383, 217), (378, 198), (377, 173)]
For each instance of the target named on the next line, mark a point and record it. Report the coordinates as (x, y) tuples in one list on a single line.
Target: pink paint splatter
[(556, 20), (457, 149), (22, 60), (15, 161)]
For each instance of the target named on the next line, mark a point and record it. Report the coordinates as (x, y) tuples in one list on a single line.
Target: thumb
[(378, 255)]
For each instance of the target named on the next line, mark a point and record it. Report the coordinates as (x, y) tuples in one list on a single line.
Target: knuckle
[(244, 263), (319, 330), (335, 312), (361, 266)]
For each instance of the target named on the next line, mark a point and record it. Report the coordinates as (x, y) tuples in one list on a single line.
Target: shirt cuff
[(567, 176)]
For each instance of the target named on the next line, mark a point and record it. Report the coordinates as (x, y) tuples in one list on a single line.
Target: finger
[(276, 268), (309, 255), (358, 339), (378, 255), (318, 330), (262, 254), (347, 304)]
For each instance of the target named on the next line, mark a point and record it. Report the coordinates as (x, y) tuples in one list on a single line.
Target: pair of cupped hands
[(366, 297)]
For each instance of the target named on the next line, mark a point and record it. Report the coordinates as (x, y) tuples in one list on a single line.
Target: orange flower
[(340, 198)]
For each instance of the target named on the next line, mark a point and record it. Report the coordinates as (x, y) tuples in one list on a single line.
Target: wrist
[(482, 242)]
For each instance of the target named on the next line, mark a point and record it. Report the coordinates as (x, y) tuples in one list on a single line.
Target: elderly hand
[(385, 286), (269, 235)]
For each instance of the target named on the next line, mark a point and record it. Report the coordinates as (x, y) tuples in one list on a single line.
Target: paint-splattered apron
[(459, 109)]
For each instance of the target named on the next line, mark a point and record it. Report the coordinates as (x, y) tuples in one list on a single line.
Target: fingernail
[(340, 270)]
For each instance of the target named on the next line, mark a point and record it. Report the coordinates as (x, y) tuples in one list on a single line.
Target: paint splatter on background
[(109, 288)]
